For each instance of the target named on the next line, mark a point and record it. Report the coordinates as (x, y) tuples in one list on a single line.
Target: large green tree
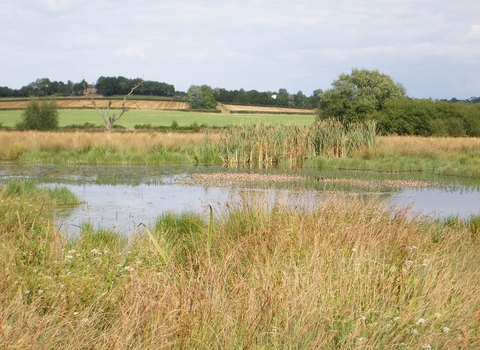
[(356, 96)]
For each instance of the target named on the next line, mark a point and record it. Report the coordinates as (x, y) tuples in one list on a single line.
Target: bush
[(39, 116)]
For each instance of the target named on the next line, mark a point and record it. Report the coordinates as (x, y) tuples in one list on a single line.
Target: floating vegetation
[(249, 179)]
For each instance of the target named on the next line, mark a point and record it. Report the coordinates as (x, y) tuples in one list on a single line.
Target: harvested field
[(263, 109), (157, 105), (116, 104)]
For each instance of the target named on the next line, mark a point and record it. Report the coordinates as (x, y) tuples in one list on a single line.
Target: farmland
[(149, 112)]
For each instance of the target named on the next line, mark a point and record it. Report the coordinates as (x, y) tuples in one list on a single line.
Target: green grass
[(162, 118)]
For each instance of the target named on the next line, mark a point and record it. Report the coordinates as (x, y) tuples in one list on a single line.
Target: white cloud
[(57, 5), (474, 32), (132, 51), (301, 44)]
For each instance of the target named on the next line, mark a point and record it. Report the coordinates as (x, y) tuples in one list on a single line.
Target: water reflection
[(120, 198), (439, 203), (123, 208)]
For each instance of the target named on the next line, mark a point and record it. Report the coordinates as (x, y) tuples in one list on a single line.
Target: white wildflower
[(421, 321), (68, 257), (437, 315), (445, 329), (128, 268), (426, 346)]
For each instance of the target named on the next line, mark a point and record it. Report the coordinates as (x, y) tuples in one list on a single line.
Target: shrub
[(39, 116)]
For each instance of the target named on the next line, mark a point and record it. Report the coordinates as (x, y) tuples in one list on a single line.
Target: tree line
[(106, 86), (267, 98), (370, 95), (359, 96)]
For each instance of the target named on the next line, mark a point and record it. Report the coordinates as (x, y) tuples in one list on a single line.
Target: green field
[(131, 118)]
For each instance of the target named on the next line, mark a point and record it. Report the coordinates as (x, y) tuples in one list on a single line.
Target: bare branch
[(106, 118), (114, 119)]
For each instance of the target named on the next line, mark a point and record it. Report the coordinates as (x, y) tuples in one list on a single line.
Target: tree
[(110, 120), (208, 101), (39, 116), (355, 96), (201, 97), (195, 97), (300, 99)]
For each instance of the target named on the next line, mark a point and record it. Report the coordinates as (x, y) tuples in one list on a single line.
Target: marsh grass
[(90, 148), (439, 156), (264, 145), (346, 273), (248, 146)]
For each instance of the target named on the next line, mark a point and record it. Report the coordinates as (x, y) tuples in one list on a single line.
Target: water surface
[(122, 197)]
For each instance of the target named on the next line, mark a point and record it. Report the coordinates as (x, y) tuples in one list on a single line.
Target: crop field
[(8, 118), (116, 103)]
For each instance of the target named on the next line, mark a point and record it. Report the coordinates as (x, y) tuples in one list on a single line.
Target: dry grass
[(33, 140), (347, 274), (412, 145), (81, 141)]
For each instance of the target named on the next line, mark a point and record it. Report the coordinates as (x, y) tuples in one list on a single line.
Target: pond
[(122, 197)]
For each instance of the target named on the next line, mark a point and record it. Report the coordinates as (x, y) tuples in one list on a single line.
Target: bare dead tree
[(110, 120)]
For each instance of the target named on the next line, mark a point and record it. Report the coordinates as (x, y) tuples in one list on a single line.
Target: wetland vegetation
[(347, 272)]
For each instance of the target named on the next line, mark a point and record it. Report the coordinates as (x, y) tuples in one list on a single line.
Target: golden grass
[(346, 275), (80, 141), (414, 145), (34, 140)]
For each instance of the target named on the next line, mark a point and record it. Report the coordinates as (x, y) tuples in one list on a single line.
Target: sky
[(431, 47)]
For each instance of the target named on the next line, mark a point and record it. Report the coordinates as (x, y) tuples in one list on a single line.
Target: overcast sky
[(431, 47)]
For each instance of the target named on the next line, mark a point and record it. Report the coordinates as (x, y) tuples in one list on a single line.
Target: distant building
[(91, 89)]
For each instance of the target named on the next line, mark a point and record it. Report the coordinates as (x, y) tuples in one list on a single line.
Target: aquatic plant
[(265, 145)]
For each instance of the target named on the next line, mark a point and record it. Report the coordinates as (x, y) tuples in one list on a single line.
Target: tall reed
[(262, 145)]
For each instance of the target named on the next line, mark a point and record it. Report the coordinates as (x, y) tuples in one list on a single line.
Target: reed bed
[(324, 145), (345, 274), (262, 145), (105, 148)]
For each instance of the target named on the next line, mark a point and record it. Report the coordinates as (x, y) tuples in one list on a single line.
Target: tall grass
[(440, 156), (263, 145), (319, 146), (90, 148), (346, 274)]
